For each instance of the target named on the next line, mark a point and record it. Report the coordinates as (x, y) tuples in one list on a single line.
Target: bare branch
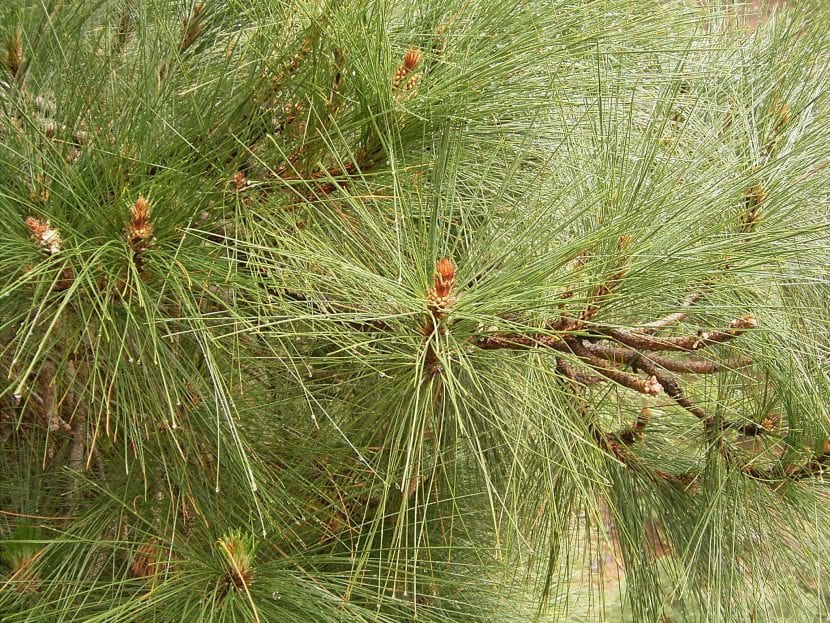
[(577, 376), (673, 389), (512, 341), (626, 356), (682, 343), (670, 319), (650, 386)]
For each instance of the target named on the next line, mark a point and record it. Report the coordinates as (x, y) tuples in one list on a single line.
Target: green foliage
[(384, 311)]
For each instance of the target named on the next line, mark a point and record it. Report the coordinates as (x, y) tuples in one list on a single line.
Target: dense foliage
[(461, 310)]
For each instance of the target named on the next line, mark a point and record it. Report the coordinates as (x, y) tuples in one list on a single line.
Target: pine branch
[(629, 357), (577, 376), (670, 319), (673, 389), (679, 344), (651, 386)]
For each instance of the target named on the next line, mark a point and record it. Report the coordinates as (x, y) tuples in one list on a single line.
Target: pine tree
[(339, 311)]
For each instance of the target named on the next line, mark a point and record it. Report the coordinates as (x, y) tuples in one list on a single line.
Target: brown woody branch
[(618, 447), (605, 359), (577, 376), (511, 341), (650, 386), (684, 343), (627, 356), (779, 474), (673, 389), (670, 319)]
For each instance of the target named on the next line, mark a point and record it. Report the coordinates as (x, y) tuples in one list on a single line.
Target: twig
[(650, 386), (627, 356), (682, 343), (582, 378), (673, 389), (513, 341), (670, 319)]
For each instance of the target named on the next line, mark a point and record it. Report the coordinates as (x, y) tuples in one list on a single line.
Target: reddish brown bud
[(140, 229), (440, 295), (239, 180), (411, 59), (444, 277), (145, 562), (411, 83), (445, 268), (771, 421)]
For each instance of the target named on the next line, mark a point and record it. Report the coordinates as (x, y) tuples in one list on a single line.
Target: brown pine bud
[(238, 550), (444, 277), (140, 229), (44, 234), (771, 422), (411, 59), (440, 295), (145, 562), (14, 58), (412, 83), (239, 180)]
